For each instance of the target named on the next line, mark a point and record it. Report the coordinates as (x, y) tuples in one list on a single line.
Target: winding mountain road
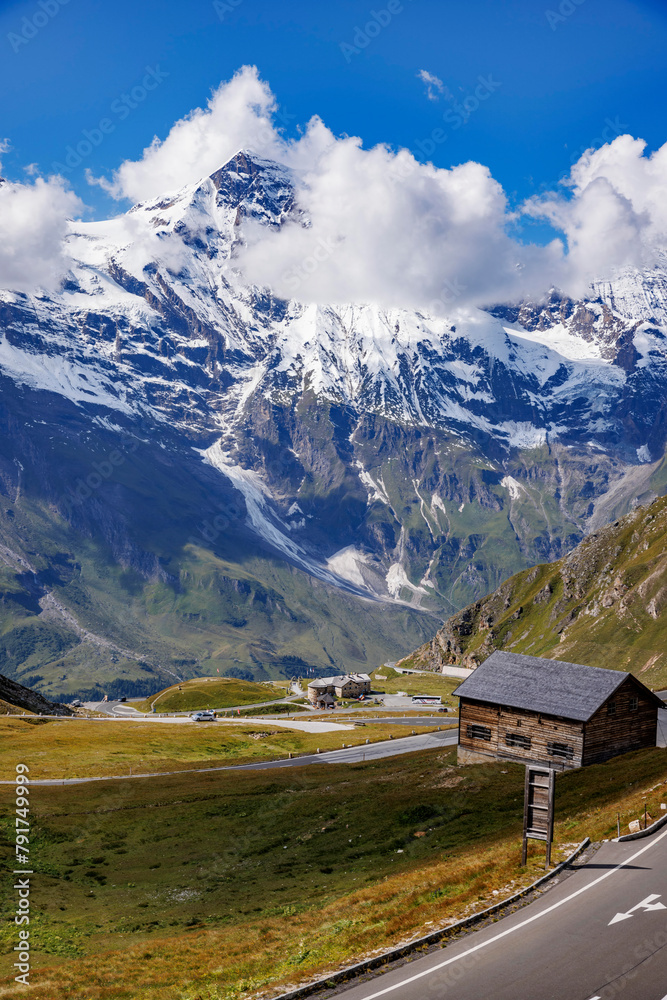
[(601, 934), (349, 755)]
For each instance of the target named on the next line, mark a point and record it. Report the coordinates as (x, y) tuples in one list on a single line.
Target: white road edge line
[(511, 930), (265, 765)]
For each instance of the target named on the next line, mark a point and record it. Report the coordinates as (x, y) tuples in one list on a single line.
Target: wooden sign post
[(538, 808)]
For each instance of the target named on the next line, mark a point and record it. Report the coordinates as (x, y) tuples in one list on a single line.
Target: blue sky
[(557, 83)]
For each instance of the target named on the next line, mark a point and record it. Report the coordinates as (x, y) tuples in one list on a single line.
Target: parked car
[(123, 698), (205, 716), (443, 709)]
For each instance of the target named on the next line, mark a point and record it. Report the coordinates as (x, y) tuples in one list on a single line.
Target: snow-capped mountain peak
[(156, 318)]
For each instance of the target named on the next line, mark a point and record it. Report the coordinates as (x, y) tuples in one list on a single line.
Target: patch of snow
[(422, 508), (648, 346), (514, 488), (107, 424), (54, 373), (637, 294), (268, 525), (524, 435), (425, 580), (347, 563), (376, 490), (643, 454), (559, 339), (397, 579), (264, 521)]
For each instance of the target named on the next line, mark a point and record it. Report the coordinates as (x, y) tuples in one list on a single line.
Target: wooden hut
[(563, 715)]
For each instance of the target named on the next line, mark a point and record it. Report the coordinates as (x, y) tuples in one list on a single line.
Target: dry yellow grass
[(281, 951), (77, 748), (7, 709), (286, 945)]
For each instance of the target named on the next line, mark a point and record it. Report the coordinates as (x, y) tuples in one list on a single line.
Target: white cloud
[(387, 228), (383, 226), (613, 213), (433, 83), (238, 115), (33, 224)]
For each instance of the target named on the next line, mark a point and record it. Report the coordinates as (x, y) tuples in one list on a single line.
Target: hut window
[(634, 704), (518, 740), (476, 732), (562, 750), (611, 708)]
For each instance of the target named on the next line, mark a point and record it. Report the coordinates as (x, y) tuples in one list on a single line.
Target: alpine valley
[(198, 476)]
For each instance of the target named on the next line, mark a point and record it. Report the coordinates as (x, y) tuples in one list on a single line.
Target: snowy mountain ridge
[(173, 259), (427, 431)]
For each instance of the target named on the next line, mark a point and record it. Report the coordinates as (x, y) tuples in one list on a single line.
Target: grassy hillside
[(174, 889), (8, 709), (127, 585), (151, 574), (94, 748), (81, 624), (391, 681), (604, 605), (210, 692)]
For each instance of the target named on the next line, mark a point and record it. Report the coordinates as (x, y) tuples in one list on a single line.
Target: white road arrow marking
[(646, 905), (540, 915)]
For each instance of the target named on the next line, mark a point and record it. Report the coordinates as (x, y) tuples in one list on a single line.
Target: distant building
[(564, 715), (323, 700), (322, 691)]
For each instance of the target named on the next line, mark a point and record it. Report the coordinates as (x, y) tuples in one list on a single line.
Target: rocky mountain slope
[(605, 605), (15, 696), (200, 476)]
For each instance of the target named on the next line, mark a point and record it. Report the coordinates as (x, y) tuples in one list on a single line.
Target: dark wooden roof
[(552, 687)]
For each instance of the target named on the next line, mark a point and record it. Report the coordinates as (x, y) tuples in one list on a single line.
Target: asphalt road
[(351, 755), (372, 751), (125, 708), (601, 934), (119, 709), (413, 720)]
